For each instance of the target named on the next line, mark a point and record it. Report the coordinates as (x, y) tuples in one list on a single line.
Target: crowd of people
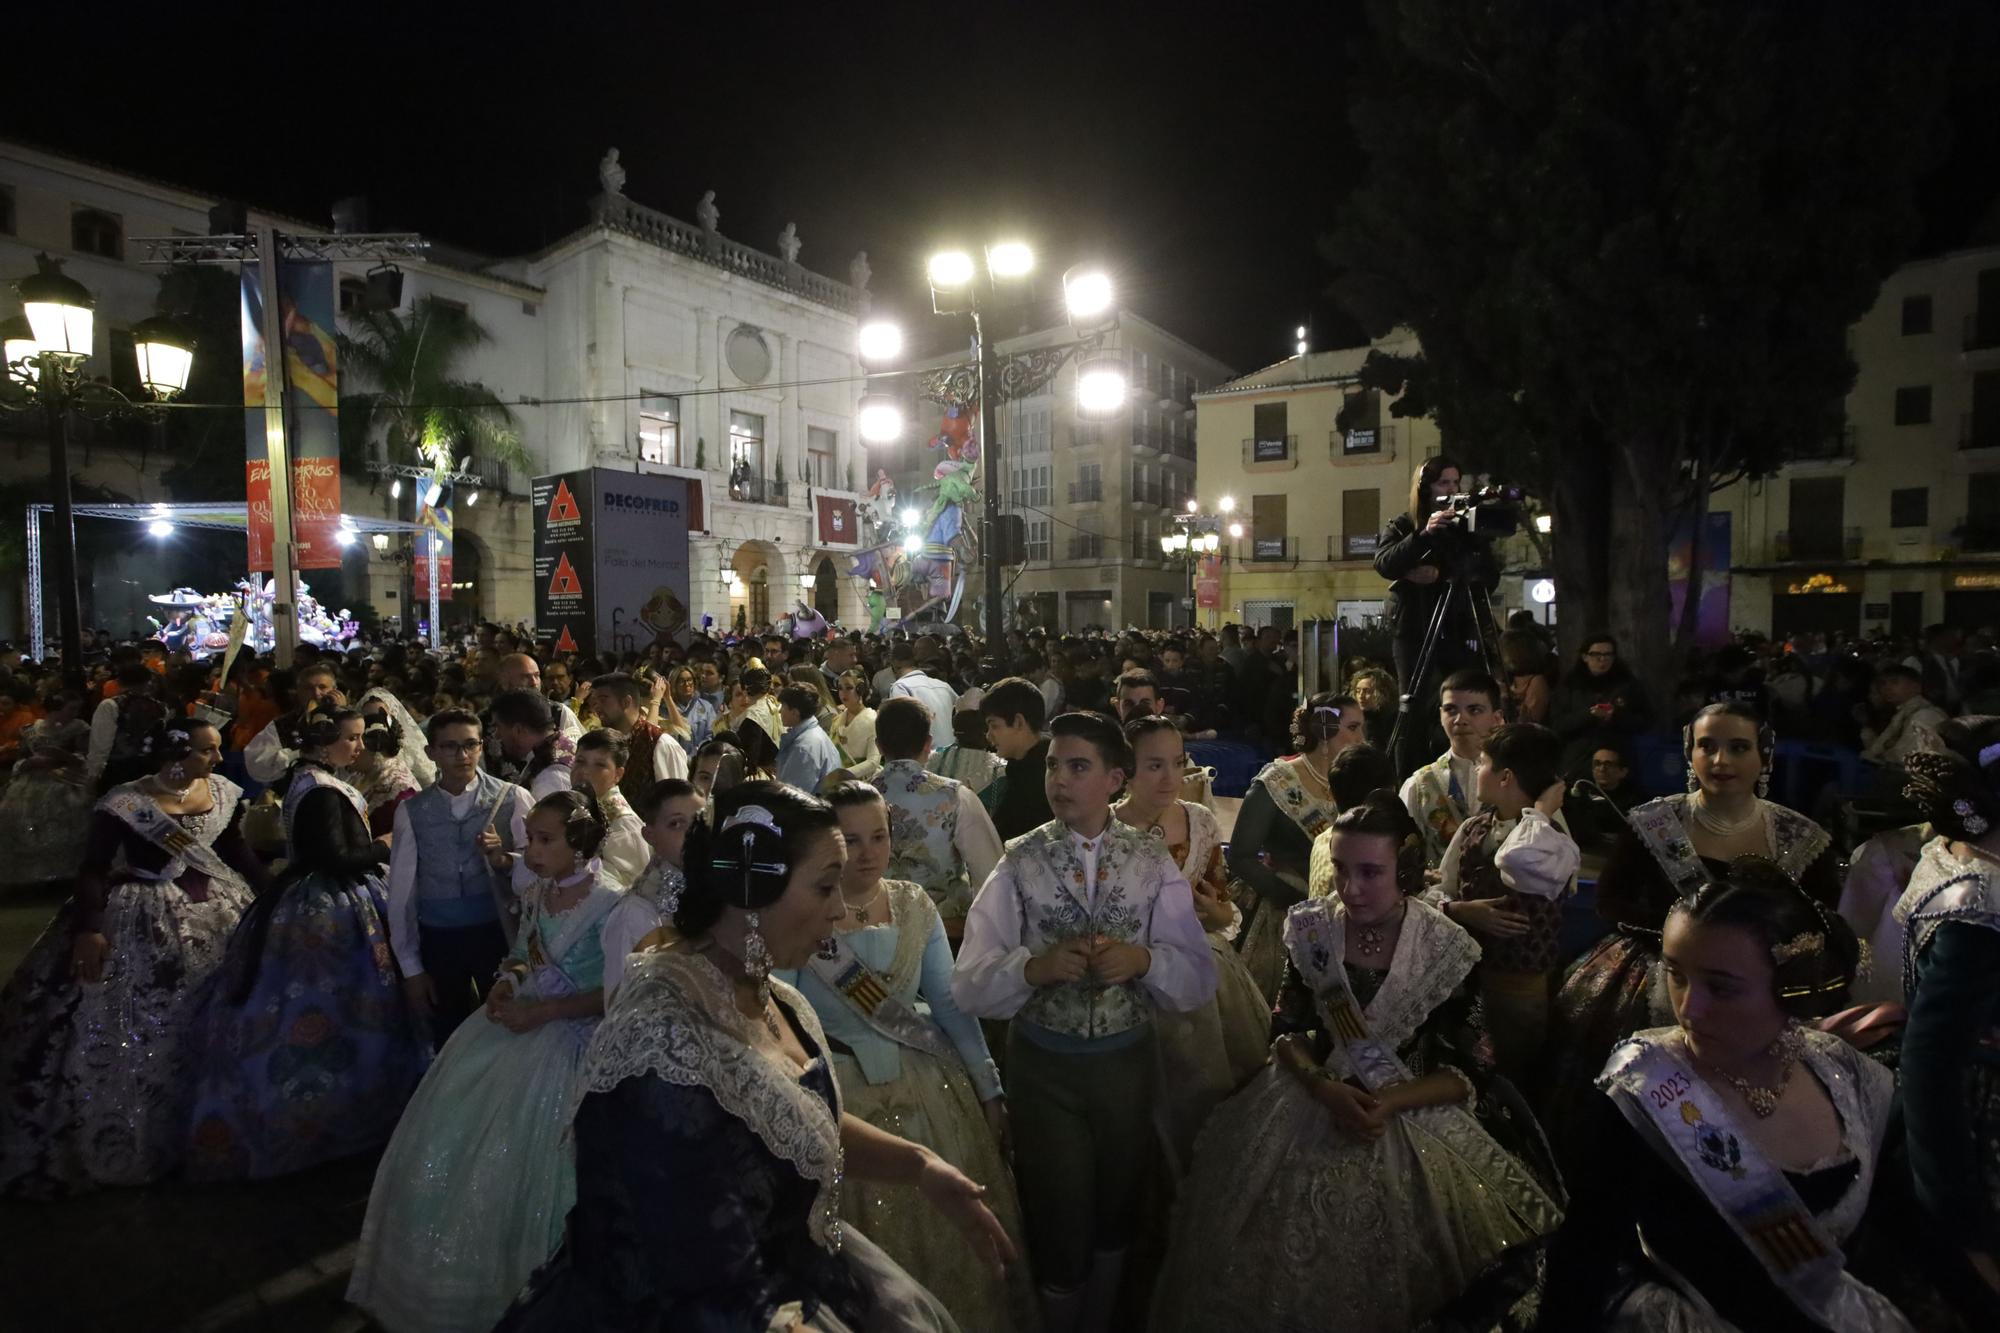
[(819, 980)]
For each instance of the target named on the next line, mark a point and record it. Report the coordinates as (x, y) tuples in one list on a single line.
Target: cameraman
[(1418, 553)]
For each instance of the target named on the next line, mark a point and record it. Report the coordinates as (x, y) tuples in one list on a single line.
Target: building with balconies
[(1895, 523), (1316, 468)]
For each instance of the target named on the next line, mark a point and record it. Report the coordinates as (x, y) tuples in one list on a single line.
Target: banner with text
[(312, 405), (640, 559), (560, 506)]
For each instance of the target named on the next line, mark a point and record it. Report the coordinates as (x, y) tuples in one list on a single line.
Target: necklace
[(859, 911), (1313, 778), (771, 1020), (1155, 825), (1373, 939), (1763, 1101), (1719, 826), (179, 795)]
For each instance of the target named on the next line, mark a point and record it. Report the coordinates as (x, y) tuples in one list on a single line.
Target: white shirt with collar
[(934, 694), (403, 866)]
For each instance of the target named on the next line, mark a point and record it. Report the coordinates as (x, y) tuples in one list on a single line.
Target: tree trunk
[(1637, 567), (1578, 551)]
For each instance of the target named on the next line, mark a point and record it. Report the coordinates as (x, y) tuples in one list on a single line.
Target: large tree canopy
[(1630, 236), (415, 402)]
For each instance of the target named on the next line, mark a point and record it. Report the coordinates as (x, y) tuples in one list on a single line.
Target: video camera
[(1489, 512)]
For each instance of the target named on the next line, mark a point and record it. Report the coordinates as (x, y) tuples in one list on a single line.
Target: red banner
[(839, 524), (311, 413), (1208, 584)]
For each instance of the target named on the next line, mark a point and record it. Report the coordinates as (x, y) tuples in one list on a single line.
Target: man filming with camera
[(1421, 552)]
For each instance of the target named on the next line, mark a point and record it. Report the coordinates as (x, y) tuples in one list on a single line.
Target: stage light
[(159, 527), (1544, 523), (344, 536), (879, 419), (432, 494), (1101, 387), (950, 270), (1010, 259), (472, 497), (396, 489), (913, 543), (910, 517), (1086, 294), (879, 341)]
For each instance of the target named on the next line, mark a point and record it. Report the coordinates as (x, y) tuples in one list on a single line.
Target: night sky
[(1198, 150)]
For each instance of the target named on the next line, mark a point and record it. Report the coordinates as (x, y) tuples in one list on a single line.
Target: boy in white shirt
[(1440, 796), (1504, 877)]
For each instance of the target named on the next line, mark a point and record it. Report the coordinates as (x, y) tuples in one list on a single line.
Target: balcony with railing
[(1087, 547), (1982, 330), (1979, 432), (1981, 534), (760, 491), (1274, 550), (1834, 447), (1272, 452), (1372, 444), (1149, 495), (1352, 545), (1086, 492), (1833, 544), (617, 213)]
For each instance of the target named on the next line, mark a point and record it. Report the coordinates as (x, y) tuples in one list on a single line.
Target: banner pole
[(284, 624)]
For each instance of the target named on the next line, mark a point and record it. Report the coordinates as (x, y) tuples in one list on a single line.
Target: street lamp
[(879, 341), (879, 419), (1101, 387), (46, 349)]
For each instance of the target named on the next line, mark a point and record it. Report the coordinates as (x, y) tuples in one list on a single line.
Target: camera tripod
[(1487, 634)]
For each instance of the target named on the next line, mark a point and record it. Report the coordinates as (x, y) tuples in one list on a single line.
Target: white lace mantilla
[(1433, 957), (675, 1017)]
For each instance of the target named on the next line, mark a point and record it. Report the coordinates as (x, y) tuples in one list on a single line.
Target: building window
[(1818, 513), (1360, 423), (1360, 523), (1268, 535), (1910, 507), (746, 441), (1916, 315), (353, 295), (822, 447), (1089, 484), (95, 232), (660, 429), (449, 308), (1982, 512), (1913, 405), (1269, 442), (1038, 539)]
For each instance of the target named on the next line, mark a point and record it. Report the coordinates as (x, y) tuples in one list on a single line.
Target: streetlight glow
[(1167, 544), (1236, 532), (165, 354), (472, 497), (910, 517), (950, 270), (1193, 506), (59, 310), (1101, 387), (1086, 293), (880, 340), (1227, 504), (18, 346), (913, 543), (1544, 523), (1010, 259), (880, 419)]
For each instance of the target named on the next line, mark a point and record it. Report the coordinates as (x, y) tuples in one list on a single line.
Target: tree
[(205, 443), (421, 412), (1630, 238)]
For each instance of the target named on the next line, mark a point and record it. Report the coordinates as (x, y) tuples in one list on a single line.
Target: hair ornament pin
[(752, 814), (1803, 944), (1989, 754)]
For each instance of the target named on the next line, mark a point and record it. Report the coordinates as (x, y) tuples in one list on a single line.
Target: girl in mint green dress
[(471, 1195)]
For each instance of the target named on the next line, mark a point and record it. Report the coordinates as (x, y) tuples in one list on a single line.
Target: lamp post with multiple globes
[(1197, 536)]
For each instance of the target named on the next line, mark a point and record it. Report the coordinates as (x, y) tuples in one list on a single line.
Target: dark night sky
[(1198, 149)]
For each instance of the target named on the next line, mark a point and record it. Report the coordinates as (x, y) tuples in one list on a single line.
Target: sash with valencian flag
[(868, 994)]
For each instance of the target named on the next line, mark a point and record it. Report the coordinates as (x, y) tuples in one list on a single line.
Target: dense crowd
[(817, 980)]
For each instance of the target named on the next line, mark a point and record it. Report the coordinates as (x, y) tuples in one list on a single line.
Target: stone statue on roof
[(707, 214), (858, 272), (788, 243), (610, 175)]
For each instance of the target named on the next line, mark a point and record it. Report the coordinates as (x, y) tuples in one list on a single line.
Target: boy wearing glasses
[(449, 898)]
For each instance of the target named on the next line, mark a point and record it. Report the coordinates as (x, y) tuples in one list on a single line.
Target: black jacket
[(1402, 549)]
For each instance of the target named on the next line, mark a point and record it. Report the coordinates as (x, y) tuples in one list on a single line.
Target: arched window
[(94, 232)]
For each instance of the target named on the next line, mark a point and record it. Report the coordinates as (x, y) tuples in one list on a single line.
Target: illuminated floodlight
[(879, 419), (913, 543), (159, 527), (950, 270), (1087, 294), (910, 517), (1010, 259), (1101, 387), (879, 341)]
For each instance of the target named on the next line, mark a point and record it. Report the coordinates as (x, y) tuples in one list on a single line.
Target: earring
[(756, 958), (1764, 784), (178, 770), (1694, 783)]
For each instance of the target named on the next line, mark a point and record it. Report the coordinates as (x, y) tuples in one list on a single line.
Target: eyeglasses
[(1601, 657), (458, 747)]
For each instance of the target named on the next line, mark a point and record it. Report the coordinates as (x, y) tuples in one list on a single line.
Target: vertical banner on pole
[(562, 519), (436, 521), (312, 404), (1208, 583)]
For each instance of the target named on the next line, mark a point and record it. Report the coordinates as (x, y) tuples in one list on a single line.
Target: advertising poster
[(312, 403), (562, 560), (1712, 612), (1208, 583), (436, 522), (640, 541)]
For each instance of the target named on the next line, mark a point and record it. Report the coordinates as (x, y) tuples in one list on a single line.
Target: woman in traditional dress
[(1214, 1050), (1353, 1184), (927, 1077), (380, 772), (1669, 848), (46, 810), (407, 731), (1727, 1157), (710, 1081), (853, 728), (471, 1193), (1950, 1060), (304, 1047), (1270, 851), (93, 1052)]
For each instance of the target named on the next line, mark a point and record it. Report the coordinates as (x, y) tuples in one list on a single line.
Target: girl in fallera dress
[(1669, 848), (1357, 1183), (93, 1025), (46, 809), (1209, 1053), (471, 1193), (379, 771), (924, 1073), (1728, 1156), (645, 914), (1289, 804), (305, 1048), (710, 1080)]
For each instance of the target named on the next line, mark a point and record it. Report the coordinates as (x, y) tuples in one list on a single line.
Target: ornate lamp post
[(46, 348), (1195, 537)]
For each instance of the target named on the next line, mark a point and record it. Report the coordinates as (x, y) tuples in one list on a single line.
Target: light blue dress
[(471, 1194)]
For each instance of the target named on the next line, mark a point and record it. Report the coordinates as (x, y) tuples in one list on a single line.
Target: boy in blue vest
[(1082, 930), (449, 898)]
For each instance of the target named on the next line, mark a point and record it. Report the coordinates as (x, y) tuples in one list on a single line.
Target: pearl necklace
[(1720, 827), (178, 795)]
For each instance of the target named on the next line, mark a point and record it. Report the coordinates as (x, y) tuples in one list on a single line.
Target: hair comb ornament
[(1803, 944), (749, 819), (1989, 754), (1969, 818)]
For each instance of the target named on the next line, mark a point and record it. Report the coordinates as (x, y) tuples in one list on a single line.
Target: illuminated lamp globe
[(1086, 293), (165, 352), (880, 340), (59, 310), (1101, 387), (1010, 259), (1543, 591), (879, 419), (950, 270)]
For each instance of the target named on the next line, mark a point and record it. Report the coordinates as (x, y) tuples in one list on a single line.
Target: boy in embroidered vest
[(1082, 929), (448, 876), (1504, 879), (527, 747), (1440, 795), (942, 836)]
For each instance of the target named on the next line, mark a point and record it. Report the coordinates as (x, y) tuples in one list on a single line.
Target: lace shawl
[(1433, 957), (1795, 842), (675, 1017), (309, 778)]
